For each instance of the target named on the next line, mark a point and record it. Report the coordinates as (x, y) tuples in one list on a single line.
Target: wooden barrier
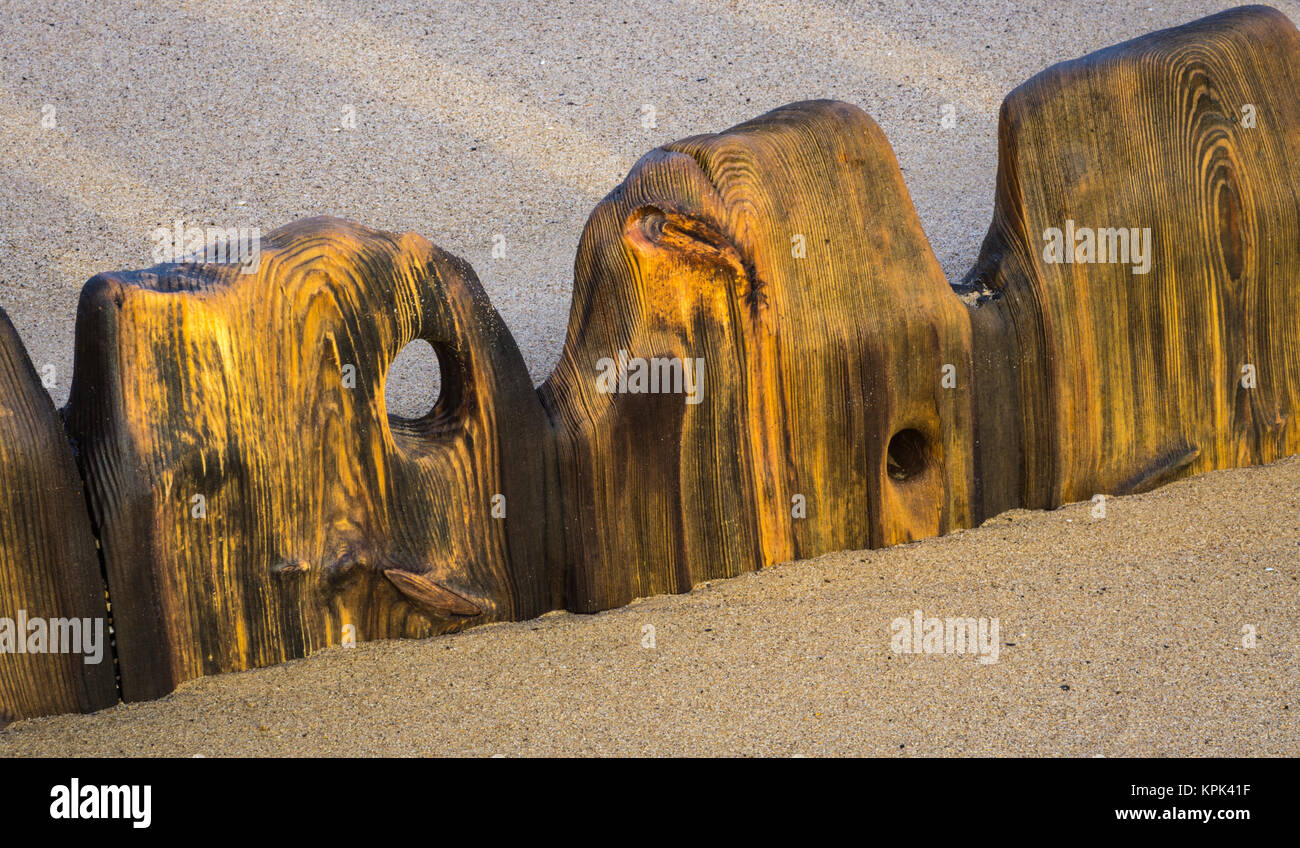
[(763, 363)]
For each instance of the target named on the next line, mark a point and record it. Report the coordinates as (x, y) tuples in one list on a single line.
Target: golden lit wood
[(255, 499), (785, 258), (1097, 379), (49, 569)]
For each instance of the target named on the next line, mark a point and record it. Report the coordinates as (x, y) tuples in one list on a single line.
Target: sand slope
[(1139, 614)]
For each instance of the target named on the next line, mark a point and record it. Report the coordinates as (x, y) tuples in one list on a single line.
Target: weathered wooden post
[(55, 653), (254, 498), (782, 262), (1141, 318)]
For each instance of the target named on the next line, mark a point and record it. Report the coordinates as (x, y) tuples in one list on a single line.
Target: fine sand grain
[(1120, 635), (504, 123)]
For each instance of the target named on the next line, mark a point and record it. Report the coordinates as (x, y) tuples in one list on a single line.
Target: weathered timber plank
[(253, 503), (786, 257), (1125, 380), (49, 568)]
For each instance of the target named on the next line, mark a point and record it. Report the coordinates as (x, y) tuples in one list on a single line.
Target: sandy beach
[(487, 124), (1120, 636)]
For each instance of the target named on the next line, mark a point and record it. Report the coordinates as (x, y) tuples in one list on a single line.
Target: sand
[(479, 120), (1120, 636), (472, 120)]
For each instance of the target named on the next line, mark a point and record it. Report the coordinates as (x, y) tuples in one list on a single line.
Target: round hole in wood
[(414, 381), (908, 456)]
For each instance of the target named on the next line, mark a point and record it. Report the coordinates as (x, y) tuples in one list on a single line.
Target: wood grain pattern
[(321, 511), (49, 568), (786, 256), (1125, 380)]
